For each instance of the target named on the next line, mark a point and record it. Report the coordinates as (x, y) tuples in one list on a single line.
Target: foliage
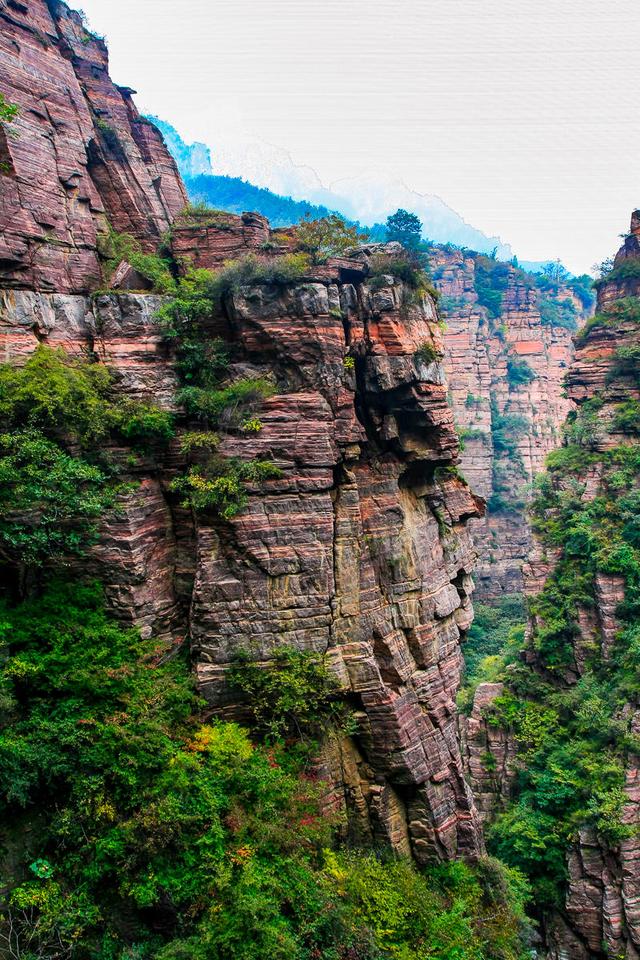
[(627, 417), (506, 429), (327, 237), (8, 111), (227, 404), (165, 837), (289, 697), (623, 311), (427, 353), (50, 502), (558, 312), (627, 270), (114, 247), (141, 424), (56, 393), (491, 280), (52, 494), (405, 228), (407, 267), (220, 484), (519, 373), (200, 214), (495, 628)]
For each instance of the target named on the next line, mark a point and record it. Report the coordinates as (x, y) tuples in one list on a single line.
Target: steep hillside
[(553, 744)]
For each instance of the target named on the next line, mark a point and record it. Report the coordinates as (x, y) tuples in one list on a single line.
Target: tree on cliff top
[(329, 236), (404, 227)]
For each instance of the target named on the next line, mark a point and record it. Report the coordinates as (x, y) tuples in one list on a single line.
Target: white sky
[(520, 114)]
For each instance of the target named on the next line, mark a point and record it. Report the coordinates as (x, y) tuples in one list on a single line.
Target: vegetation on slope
[(567, 704)]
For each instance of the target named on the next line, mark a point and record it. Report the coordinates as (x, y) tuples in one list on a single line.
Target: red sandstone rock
[(477, 352), (77, 154)]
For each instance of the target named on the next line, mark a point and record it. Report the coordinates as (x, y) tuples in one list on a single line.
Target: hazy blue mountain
[(361, 200), (193, 159)]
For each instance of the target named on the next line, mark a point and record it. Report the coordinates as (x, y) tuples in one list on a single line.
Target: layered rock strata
[(600, 916), (490, 406), (359, 551), (78, 154)]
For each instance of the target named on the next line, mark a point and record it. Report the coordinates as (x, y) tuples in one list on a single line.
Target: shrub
[(219, 485), (558, 312), (519, 372), (227, 404), (202, 215), (8, 111), (627, 417), (293, 695), (326, 237), (406, 267), (627, 270), (50, 502), (491, 280), (427, 353), (623, 311), (56, 393), (114, 247), (141, 424), (51, 496)]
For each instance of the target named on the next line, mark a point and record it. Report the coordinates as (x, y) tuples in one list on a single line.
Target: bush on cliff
[(55, 481), (160, 835), (114, 247), (519, 373)]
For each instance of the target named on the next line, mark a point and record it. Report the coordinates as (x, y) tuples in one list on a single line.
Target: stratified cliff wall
[(360, 549), (579, 666), (77, 155), (505, 374)]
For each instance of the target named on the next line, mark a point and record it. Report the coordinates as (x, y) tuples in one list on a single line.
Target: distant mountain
[(236, 195), (193, 159), (264, 178)]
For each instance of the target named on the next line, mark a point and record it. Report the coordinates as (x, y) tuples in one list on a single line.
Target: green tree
[(326, 237), (405, 228)]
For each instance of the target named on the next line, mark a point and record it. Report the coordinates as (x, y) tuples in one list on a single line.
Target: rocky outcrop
[(77, 155), (358, 551), (489, 753), (505, 377)]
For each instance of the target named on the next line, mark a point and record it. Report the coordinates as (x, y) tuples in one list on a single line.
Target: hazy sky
[(520, 114)]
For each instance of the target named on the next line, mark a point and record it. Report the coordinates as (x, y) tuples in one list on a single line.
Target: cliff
[(261, 461), (359, 549), (553, 748), (508, 349), (77, 155)]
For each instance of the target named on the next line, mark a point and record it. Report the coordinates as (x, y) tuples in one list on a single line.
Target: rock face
[(77, 155), (508, 426), (360, 550), (601, 914)]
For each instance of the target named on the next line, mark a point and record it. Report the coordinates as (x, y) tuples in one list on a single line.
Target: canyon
[(361, 520)]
